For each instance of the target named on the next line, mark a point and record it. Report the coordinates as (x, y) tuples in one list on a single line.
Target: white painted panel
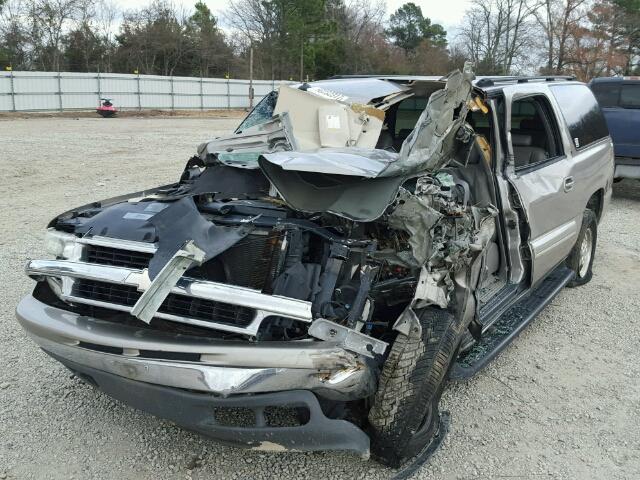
[(78, 84), (215, 102), (239, 87), (39, 91), (187, 101), (34, 84), (5, 83), (115, 84), (215, 88), (239, 102), (155, 101), (155, 85), (5, 102), (86, 101), (37, 102), (190, 86)]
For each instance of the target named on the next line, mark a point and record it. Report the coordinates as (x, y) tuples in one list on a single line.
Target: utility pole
[(302, 59), (250, 78)]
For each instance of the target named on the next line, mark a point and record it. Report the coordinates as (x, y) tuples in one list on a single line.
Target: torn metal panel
[(241, 150), (322, 122), (347, 338), (432, 289), (337, 161), (430, 144), (357, 90), (182, 222), (347, 196), (408, 323), (149, 302), (415, 215)]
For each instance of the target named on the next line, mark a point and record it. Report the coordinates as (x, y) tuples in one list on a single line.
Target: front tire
[(580, 259), (404, 418)]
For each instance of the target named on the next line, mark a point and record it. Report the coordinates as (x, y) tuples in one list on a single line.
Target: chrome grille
[(201, 298), (252, 262), (117, 257), (181, 305)]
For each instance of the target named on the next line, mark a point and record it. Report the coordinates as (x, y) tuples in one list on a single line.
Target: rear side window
[(607, 93), (630, 95), (581, 112)]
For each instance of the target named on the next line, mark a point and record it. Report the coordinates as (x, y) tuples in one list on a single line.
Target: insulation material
[(315, 118)]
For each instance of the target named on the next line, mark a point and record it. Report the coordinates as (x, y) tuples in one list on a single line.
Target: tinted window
[(581, 112), (408, 113), (630, 95), (607, 93)]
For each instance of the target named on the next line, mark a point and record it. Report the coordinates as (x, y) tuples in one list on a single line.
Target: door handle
[(568, 184)]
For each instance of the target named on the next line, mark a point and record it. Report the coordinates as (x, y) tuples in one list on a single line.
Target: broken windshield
[(262, 112)]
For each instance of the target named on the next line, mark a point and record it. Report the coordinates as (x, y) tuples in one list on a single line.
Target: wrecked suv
[(314, 279)]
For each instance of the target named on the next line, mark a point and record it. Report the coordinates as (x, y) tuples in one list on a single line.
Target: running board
[(510, 324)]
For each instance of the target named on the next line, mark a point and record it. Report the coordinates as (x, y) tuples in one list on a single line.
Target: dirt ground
[(562, 402)]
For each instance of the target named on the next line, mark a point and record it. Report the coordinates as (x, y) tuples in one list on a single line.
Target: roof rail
[(491, 81)]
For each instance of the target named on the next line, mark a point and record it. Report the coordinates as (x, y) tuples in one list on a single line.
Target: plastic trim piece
[(196, 411)]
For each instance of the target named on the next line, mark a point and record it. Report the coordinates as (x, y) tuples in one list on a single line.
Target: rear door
[(620, 103)]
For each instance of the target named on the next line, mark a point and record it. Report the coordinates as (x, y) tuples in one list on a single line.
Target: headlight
[(59, 244)]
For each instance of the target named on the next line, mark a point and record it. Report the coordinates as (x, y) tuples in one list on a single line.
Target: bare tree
[(49, 19), (559, 20), (16, 46), (496, 34), (106, 16)]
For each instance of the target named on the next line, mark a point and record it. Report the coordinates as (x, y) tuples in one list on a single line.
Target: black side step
[(510, 324)]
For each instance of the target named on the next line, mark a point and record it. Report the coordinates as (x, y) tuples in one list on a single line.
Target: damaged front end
[(283, 262)]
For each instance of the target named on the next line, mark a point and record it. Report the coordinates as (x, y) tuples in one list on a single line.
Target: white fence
[(33, 91)]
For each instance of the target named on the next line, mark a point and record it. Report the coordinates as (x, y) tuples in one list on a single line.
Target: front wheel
[(404, 418), (580, 259)]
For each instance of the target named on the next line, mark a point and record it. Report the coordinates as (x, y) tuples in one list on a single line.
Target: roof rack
[(492, 81)]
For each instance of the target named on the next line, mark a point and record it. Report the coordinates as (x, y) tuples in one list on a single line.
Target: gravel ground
[(562, 402)]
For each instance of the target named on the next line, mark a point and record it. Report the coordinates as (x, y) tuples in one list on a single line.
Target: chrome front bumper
[(224, 367)]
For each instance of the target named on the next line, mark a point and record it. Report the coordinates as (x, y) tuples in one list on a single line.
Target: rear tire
[(404, 417), (580, 260)]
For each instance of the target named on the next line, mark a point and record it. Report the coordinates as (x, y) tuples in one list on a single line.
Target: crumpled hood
[(359, 183), (301, 149), (360, 162)]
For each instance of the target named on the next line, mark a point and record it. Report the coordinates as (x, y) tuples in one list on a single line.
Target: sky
[(446, 12)]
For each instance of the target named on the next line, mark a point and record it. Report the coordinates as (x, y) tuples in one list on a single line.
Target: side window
[(630, 95), (581, 112), (535, 137), (607, 93)]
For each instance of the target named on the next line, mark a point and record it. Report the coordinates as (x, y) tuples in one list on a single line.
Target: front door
[(541, 173)]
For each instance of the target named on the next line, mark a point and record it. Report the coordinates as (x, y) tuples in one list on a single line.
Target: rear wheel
[(404, 418), (580, 259)]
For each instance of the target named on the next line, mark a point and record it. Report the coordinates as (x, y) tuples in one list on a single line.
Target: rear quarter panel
[(592, 166)]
